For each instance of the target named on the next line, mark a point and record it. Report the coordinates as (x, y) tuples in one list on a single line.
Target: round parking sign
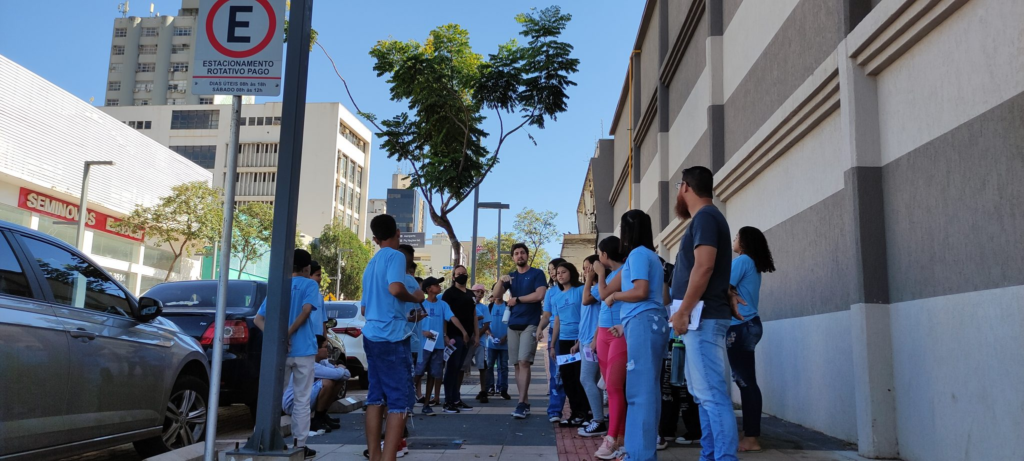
[(233, 22)]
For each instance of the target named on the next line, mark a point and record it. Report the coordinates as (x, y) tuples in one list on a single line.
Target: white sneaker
[(685, 441), (607, 449), (662, 443)]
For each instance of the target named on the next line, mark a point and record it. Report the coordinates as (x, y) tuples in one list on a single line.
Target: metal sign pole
[(217, 364), (266, 438), (476, 213)]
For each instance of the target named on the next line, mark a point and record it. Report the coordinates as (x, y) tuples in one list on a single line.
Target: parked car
[(192, 305), (350, 327), (84, 365)]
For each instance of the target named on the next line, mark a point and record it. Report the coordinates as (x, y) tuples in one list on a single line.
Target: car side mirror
[(331, 323), (147, 309)]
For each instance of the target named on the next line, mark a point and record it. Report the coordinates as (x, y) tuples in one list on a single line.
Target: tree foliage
[(187, 220), (312, 35), (251, 231), (486, 261), (535, 229), (332, 245), (448, 88)]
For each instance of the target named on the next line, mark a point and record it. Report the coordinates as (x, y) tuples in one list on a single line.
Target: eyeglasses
[(680, 184)]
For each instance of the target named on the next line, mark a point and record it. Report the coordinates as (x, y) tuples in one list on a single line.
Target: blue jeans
[(740, 343), (499, 356), (556, 401), (452, 391), (387, 367), (646, 343), (706, 368)]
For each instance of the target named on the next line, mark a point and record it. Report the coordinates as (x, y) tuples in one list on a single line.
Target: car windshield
[(341, 311), (202, 296)]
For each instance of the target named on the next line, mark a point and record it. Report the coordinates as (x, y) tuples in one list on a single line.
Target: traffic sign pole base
[(291, 454)]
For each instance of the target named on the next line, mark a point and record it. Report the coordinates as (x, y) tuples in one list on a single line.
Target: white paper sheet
[(568, 358), (589, 355), (694, 315), (428, 344)]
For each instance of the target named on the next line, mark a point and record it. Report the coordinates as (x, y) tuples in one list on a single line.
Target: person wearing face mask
[(463, 305)]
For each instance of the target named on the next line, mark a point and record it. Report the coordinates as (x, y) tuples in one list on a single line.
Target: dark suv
[(84, 365), (192, 305)]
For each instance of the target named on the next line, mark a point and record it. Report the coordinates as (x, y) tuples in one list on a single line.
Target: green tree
[(312, 35), (448, 88), (251, 232), (338, 242), (187, 220), (536, 229), (486, 260)]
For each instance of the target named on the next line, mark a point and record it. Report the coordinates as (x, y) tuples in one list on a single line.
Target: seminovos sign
[(56, 208)]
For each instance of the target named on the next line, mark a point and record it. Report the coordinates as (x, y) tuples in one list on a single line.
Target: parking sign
[(239, 47)]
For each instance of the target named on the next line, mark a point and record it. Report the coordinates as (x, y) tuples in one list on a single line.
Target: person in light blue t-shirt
[(385, 339), (566, 312), (478, 353), (743, 335), (497, 350), (302, 346), (590, 371), (645, 323)]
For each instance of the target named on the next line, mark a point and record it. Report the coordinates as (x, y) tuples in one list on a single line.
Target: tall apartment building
[(878, 145), (405, 204), (151, 59), (335, 154)]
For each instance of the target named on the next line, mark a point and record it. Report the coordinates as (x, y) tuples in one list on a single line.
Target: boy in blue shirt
[(497, 349), (478, 353), (385, 340), (302, 345), (432, 360)]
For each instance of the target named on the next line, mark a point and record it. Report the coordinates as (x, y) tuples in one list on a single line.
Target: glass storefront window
[(15, 215), (114, 247), (64, 230), (157, 258)]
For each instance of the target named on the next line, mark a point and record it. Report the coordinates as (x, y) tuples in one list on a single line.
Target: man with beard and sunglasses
[(527, 286), (702, 270)]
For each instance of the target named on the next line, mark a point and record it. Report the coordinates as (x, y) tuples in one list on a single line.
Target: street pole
[(83, 208), (498, 275), (337, 281), (266, 438), (216, 365), (476, 212)]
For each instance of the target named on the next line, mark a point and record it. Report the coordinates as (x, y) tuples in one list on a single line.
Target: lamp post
[(83, 212), (491, 206)]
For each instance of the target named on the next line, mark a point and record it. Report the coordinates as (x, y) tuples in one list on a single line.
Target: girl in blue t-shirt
[(754, 258), (611, 344), (566, 333), (646, 328)]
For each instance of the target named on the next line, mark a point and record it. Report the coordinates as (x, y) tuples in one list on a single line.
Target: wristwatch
[(517, 300)]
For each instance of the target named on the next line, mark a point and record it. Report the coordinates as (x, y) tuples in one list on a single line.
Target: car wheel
[(343, 389), (184, 420)]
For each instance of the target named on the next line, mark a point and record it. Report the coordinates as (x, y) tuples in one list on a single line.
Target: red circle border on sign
[(244, 53)]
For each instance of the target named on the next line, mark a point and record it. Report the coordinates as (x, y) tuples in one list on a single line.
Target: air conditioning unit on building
[(136, 90)]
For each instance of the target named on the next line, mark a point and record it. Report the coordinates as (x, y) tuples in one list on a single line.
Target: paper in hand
[(567, 358), (694, 314), (589, 355), (428, 343)]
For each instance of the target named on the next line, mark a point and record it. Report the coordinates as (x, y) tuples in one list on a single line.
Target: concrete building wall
[(877, 144)]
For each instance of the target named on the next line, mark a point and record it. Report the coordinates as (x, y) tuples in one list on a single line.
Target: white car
[(350, 328)]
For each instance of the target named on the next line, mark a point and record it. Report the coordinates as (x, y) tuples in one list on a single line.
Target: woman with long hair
[(754, 259), (590, 371), (645, 323), (556, 392), (566, 312), (611, 345)]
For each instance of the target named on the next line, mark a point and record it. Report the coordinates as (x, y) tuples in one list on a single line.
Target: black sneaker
[(492, 392), (521, 411), (594, 429), (527, 409), (319, 426), (428, 411), (451, 408), (462, 405), (333, 419), (422, 400), (504, 395), (483, 398), (311, 453)]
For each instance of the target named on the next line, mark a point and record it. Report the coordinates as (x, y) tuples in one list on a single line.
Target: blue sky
[(71, 47)]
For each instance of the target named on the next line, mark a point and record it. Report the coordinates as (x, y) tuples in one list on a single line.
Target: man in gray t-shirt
[(702, 271)]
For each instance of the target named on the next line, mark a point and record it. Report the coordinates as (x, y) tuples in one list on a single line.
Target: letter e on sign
[(239, 47)]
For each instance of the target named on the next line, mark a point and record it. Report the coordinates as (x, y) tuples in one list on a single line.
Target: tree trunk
[(170, 270), (241, 267), (444, 223)]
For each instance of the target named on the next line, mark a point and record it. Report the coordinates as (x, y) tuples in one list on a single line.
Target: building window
[(149, 32), (177, 85), (195, 119), (147, 49), (141, 102), (179, 67), (359, 177), (348, 134), (190, 12), (118, 50), (176, 102), (112, 103), (179, 48), (143, 86), (120, 32), (139, 124), (113, 86), (146, 67), (206, 100), (115, 67), (183, 31), (277, 121), (204, 156)]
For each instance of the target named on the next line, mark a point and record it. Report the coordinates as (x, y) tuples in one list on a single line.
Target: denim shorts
[(431, 362), (387, 367)]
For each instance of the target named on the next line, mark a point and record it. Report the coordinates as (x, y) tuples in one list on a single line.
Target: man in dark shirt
[(526, 286), (702, 271), (463, 305)]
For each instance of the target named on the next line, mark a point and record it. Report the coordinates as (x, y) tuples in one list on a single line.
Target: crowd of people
[(656, 339)]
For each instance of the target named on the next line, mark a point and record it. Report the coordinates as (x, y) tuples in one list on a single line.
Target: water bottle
[(507, 315), (678, 374)]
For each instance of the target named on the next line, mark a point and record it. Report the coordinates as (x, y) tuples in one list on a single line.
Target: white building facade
[(41, 176), (335, 154)]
